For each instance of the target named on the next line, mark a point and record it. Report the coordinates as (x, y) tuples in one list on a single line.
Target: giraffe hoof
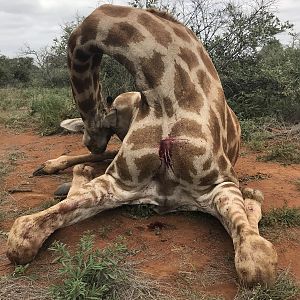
[(255, 260), (22, 243), (63, 190), (40, 171), (249, 193)]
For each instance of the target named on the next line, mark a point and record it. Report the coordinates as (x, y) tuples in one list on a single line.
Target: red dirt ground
[(193, 251)]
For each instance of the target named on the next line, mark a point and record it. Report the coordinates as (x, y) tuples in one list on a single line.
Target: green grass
[(253, 133), (42, 108), (284, 288), (99, 274), (281, 217), (285, 153)]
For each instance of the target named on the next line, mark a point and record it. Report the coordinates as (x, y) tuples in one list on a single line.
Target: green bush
[(51, 106)]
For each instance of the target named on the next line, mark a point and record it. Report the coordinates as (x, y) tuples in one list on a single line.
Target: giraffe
[(123, 107), (180, 149)]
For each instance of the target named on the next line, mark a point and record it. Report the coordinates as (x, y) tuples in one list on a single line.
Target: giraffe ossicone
[(181, 96)]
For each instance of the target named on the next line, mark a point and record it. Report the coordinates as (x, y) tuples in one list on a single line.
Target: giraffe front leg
[(63, 162), (255, 257), (28, 233)]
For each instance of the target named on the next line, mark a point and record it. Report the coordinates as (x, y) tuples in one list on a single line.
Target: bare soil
[(190, 251)]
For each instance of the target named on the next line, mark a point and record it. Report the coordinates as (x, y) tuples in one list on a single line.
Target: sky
[(37, 22)]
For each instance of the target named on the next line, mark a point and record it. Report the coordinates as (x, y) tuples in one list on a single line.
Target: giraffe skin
[(181, 98)]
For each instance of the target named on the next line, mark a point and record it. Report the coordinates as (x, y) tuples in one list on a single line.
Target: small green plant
[(88, 273), (20, 270), (51, 106), (286, 153), (283, 217), (254, 134), (284, 288), (139, 211), (99, 274)]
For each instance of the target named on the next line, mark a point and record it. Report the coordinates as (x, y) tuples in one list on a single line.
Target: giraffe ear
[(73, 125), (110, 120)]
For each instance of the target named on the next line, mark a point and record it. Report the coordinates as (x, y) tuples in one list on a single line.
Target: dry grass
[(22, 288), (284, 288)]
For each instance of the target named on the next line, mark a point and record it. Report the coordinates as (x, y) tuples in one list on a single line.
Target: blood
[(165, 151)]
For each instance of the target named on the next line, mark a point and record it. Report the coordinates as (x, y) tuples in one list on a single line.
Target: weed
[(51, 106), (99, 274), (297, 183), (104, 230), (286, 153), (139, 211), (253, 133), (284, 288), (282, 217), (20, 270)]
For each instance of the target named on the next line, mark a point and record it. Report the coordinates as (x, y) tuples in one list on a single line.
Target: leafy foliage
[(284, 216), (88, 274), (100, 274)]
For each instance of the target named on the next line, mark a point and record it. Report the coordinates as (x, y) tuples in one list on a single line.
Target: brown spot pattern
[(189, 57), (87, 104), (156, 29), (210, 178), (148, 165), (144, 108), (81, 85), (204, 81), (222, 163), (181, 33), (168, 106), (220, 106), (89, 28), (185, 92), (123, 60), (122, 35), (187, 127), (215, 130), (122, 168), (153, 69), (81, 55), (115, 11), (207, 164), (208, 63), (149, 136), (182, 163), (81, 68), (96, 61)]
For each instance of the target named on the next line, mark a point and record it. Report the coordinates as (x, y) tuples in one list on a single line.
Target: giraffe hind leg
[(255, 257), (253, 201)]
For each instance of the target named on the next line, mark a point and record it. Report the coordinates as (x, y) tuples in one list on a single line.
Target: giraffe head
[(116, 121)]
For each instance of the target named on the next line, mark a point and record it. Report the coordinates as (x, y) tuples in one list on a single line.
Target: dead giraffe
[(183, 110)]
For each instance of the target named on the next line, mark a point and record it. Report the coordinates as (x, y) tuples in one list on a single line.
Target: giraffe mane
[(163, 14)]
